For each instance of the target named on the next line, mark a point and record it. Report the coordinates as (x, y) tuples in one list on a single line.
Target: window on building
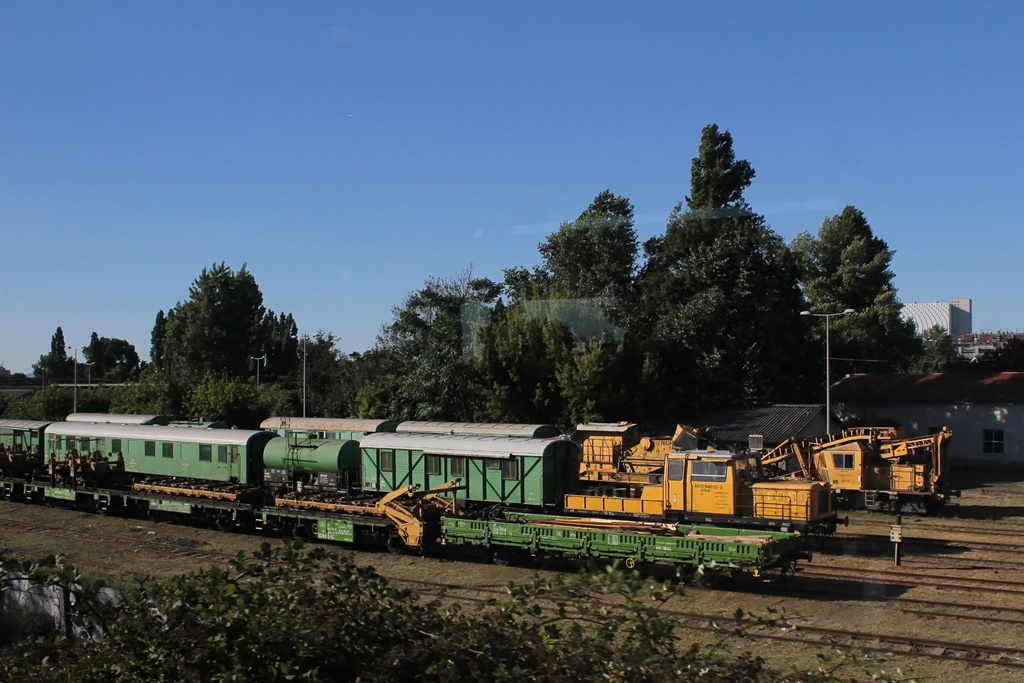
[(205, 453), (992, 441), (510, 469), (150, 448), (433, 464), (222, 453), (842, 461), (386, 461), (168, 450), (458, 467)]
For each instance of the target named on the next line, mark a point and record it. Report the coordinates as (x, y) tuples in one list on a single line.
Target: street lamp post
[(75, 349), (89, 365), (258, 359), (828, 401), (305, 338)]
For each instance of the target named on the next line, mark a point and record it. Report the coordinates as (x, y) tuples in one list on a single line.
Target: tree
[(939, 353), (518, 367), (712, 289), (593, 256), (847, 266), (220, 329), (1008, 358), (430, 374), (113, 359), (55, 364)]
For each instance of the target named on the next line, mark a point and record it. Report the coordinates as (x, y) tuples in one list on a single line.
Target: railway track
[(791, 633), (917, 579)]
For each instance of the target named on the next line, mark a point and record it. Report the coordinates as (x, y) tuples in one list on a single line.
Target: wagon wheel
[(630, 563), (394, 544), (502, 556)]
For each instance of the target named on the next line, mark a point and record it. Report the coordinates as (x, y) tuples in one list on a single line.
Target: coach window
[(205, 453), (150, 449), (234, 454), (115, 445), (510, 469), (83, 444), (222, 453), (992, 441), (168, 450), (433, 464), (493, 464), (387, 461), (458, 467)]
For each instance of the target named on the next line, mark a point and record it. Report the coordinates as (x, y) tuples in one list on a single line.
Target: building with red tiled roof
[(985, 410)]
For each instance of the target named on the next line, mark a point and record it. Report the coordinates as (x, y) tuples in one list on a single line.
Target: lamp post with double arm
[(828, 401)]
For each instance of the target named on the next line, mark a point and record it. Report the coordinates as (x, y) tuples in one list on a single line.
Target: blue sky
[(348, 151)]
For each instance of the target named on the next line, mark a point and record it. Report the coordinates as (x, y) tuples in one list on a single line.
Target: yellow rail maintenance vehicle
[(710, 486), (872, 468)]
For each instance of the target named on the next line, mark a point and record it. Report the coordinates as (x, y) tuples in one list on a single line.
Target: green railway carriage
[(528, 431), (491, 469), (120, 418), (326, 427), (224, 455), (22, 436), (21, 447)]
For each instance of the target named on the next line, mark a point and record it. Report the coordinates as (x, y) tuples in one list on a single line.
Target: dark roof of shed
[(938, 387), (775, 423)]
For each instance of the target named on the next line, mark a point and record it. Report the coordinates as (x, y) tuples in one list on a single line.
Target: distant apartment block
[(954, 316)]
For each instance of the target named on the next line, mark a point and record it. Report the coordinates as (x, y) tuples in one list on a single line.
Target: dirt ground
[(989, 504)]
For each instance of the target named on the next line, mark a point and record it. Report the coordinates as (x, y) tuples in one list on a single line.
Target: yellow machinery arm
[(901, 448)]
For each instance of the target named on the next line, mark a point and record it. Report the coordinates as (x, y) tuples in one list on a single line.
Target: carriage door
[(675, 478)]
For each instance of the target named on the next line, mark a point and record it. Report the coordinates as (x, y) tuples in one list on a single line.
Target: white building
[(954, 316), (985, 410)]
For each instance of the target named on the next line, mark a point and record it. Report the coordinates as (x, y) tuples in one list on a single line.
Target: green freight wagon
[(692, 547), (491, 470)]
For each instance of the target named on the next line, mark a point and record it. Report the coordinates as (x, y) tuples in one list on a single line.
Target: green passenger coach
[(298, 428), (225, 455), (528, 431), (534, 473)]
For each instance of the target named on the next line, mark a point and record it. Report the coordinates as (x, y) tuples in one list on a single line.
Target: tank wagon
[(424, 491)]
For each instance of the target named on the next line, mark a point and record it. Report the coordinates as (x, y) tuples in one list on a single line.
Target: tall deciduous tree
[(592, 256), (112, 359), (717, 288), (424, 348), (847, 266)]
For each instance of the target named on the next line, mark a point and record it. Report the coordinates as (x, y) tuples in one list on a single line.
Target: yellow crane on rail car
[(873, 468)]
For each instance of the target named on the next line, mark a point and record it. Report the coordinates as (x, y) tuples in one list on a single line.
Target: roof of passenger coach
[(463, 445), (230, 437), (23, 424), (530, 431), (116, 418), (339, 424)]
